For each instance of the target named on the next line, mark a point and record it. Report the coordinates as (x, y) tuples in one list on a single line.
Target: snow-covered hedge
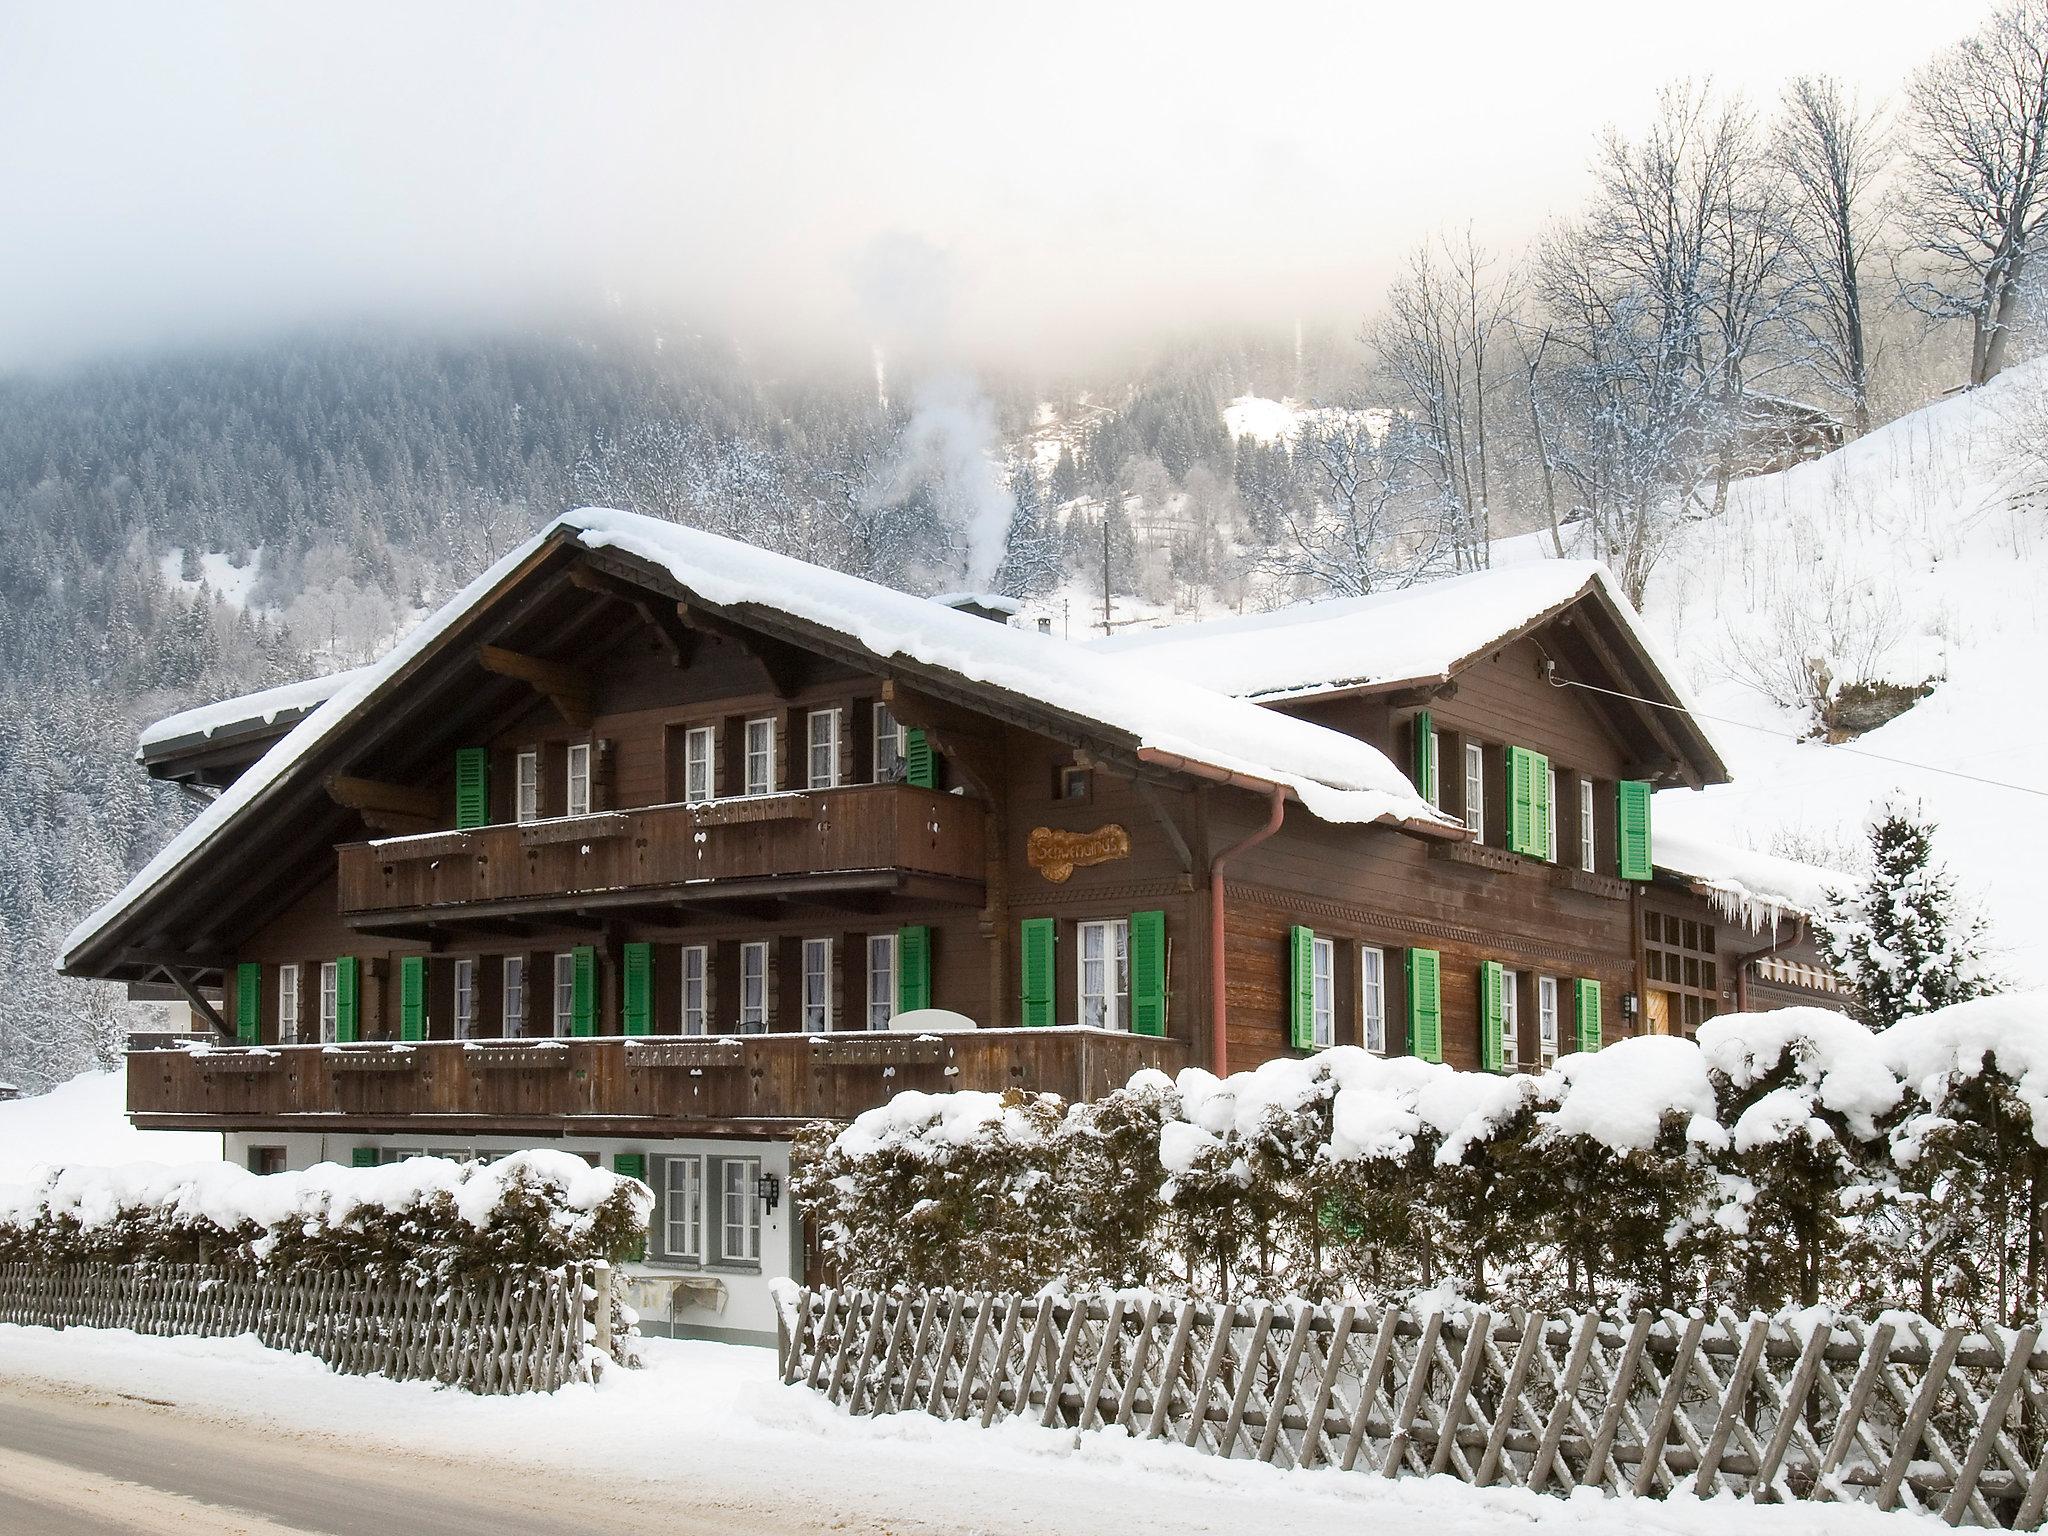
[(425, 1219), (1785, 1158)]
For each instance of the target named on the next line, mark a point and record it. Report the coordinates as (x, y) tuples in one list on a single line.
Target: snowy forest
[(1744, 279)]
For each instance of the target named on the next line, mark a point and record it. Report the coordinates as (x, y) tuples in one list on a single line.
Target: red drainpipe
[(1219, 1014), (1744, 962)]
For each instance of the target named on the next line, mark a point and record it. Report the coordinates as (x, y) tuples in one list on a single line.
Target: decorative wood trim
[(1402, 929), (215, 1060), (519, 1056), (573, 829), (1588, 883), (745, 809), (372, 1058), (879, 1050), (1129, 890), (412, 850), (690, 1051), (1478, 856)]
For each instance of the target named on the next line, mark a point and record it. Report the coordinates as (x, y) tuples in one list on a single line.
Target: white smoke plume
[(951, 443)]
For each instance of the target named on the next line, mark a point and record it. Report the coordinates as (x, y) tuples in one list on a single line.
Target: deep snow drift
[(83, 1121)]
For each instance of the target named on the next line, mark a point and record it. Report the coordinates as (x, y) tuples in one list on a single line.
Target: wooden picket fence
[(523, 1333), (1896, 1412)]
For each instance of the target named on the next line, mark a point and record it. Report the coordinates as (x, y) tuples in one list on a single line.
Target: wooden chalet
[(659, 846)]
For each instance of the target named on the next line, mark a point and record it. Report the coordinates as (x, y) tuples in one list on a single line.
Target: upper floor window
[(1106, 974), (565, 994), (287, 1005), (817, 986), (1586, 840), (881, 979), (1436, 776), (761, 756), (527, 807), (889, 747), (330, 1001), (700, 780), (1323, 992), (465, 999), (513, 1014), (1372, 998), (696, 988), (1510, 1020), (1546, 1020), (1475, 790), (823, 726), (578, 801), (753, 988)]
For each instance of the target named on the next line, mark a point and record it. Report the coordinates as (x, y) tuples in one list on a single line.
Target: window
[(881, 979), (817, 1015), (823, 728), (266, 1160), (682, 1209), (1550, 819), (889, 747), (1546, 1020), (528, 806), (696, 980), (1586, 843), (1372, 998), (700, 780), (1323, 992), (287, 1005), (565, 994), (761, 756), (1475, 790), (1436, 774), (753, 988), (330, 1002), (515, 996), (739, 1212), (1077, 784), (579, 779), (1510, 1020), (465, 999), (1105, 973)]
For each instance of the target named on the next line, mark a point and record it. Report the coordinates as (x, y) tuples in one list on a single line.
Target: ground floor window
[(753, 988), (710, 1211), (1106, 974), (881, 979), (1323, 992), (739, 1211), (1546, 1019), (1510, 1020), (683, 1210), (696, 974), (1372, 998), (266, 1160)]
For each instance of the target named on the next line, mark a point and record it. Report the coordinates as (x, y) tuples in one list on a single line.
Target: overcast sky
[(1000, 177)]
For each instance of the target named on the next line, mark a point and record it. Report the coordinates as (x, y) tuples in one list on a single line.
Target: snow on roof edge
[(260, 707), (1745, 886)]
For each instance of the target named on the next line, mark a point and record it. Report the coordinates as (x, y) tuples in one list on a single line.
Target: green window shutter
[(1425, 1004), (1491, 977), (1586, 1001), (1539, 787), (1036, 969), (1425, 763), (248, 1002), (472, 787), (1633, 825), (346, 1001), (913, 968), (1521, 806), (1301, 988), (918, 765), (633, 1165), (363, 1157), (583, 991), (1148, 973), (636, 990), (412, 997)]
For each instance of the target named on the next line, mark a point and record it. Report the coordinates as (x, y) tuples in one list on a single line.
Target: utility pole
[(1105, 565)]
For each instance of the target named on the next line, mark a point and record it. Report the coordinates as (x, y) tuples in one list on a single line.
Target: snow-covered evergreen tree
[(1904, 942)]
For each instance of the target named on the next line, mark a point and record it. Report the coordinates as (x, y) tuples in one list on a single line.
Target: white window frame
[(512, 999), (1436, 769), (1323, 992), (1112, 938), (739, 1210), (288, 1004), (576, 796), (1588, 837), (822, 733), (1510, 1020), (682, 1208), (881, 979), (330, 1001), (700, 768), (526, 803), (1475, 790), (696, 989), (1372, 998), (889, 732), (762, 782), (753, 1012), (465, 998), (1547, 998), (816, 1017), (565, 994), (1550, 820)]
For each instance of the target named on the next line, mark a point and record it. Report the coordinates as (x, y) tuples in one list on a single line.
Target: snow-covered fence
[(1897, 1412), (526, 1332)]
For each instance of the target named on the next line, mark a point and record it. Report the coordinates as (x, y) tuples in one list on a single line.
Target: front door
[(1660, 1011)]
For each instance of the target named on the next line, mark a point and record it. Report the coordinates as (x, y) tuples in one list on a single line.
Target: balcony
[(657, 1085), (863, 837)]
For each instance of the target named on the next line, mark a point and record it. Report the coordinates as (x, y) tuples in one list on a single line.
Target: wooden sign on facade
[(1056, 855)]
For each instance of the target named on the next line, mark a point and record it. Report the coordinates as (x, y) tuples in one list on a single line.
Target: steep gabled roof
[(1189, 728)]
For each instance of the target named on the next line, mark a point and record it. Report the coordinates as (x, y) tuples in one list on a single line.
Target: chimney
[(983, 605)]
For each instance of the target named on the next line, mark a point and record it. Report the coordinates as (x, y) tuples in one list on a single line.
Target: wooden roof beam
[(781, 661), (680, 639), (1647, 714), (568, 688), (394, 809)]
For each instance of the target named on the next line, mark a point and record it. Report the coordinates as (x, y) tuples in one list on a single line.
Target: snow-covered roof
[(1744, 885), (1413, 634), (232, 716), (1336, 777)]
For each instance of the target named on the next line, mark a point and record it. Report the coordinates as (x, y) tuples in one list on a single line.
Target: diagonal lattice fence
[(1896, 1412), (514, 1333)]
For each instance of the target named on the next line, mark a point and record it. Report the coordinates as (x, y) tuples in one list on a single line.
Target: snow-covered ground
[(712, 1418), (83, 1121)]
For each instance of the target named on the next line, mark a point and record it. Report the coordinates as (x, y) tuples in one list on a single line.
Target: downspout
[(1744, 962), (1219, 1014)]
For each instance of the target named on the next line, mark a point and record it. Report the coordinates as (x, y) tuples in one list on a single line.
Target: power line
[(1879, 757)]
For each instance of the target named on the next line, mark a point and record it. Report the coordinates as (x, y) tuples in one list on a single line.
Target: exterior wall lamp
[(769, 1188)]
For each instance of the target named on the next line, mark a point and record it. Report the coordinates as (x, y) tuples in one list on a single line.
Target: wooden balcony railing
[(863, 829), (656, 1085)]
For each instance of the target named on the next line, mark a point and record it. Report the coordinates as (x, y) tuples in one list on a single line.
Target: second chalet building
[(658, 847)]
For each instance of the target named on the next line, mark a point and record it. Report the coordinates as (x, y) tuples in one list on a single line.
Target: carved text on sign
[(1056, 855)]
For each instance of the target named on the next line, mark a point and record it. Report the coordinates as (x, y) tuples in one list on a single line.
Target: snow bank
[(85, 1121)]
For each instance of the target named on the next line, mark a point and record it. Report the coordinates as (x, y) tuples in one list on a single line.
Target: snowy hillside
[(83, 1121), (1908, 556)]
